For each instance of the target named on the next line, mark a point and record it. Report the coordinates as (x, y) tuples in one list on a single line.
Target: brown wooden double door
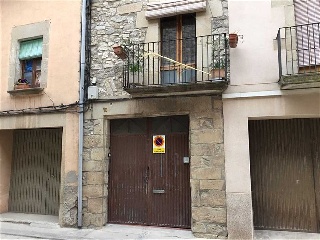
[(145, 187), (285, 174)]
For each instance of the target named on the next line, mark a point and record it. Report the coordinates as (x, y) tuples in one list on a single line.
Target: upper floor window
[(30, 56), (307, 15), (178, 42)]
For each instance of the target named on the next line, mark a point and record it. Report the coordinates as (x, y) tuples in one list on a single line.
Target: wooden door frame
[(179, 49)]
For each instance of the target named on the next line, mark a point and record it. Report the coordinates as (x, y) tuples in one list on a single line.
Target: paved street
[(43, 231), (30, 226)]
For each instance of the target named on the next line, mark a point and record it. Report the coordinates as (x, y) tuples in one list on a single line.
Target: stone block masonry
[(208, 200), (94, 175), (207, 173), (115, 22), (118, 21), (112, 23)]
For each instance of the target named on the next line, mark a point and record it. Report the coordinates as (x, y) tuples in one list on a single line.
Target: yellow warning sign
[(159, 144)]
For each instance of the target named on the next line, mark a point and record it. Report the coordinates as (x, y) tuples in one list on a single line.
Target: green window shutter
[(30, 49)]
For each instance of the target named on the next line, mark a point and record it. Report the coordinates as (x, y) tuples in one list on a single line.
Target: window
[(30, 56), (308, 32), (178, 42)]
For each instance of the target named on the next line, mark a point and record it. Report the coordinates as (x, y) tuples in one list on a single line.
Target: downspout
[(81, 108)]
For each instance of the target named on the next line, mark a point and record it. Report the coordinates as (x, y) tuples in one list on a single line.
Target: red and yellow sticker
[(159, 144)]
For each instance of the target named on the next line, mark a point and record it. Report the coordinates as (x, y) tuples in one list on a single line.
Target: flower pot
[(22, 86), (233, 40), (218, 73), (119, 51)]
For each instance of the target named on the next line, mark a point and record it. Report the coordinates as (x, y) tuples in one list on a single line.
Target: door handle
[(158, 191)]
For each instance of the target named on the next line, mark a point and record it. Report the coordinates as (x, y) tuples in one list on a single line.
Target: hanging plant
[(233, 40), (119, 51)]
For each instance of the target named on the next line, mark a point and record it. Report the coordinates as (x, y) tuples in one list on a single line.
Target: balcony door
[(178, 45), (307, 14)]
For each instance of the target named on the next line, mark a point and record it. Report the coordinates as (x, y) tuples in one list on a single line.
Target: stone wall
[(94, 174), (113, 23), (206, 150), (207, 173), (220, 21)]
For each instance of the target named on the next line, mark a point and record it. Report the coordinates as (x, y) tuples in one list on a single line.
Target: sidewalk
[(27, 226), (31, 226)]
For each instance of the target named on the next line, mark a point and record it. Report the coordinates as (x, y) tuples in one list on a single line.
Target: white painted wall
[(254, 63), (254, 93)]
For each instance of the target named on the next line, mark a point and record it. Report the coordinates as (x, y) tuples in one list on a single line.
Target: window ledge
[(27, 91)]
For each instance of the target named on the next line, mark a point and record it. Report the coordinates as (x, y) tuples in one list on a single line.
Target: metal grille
[(147, 65), (35, 176), (284, 157)]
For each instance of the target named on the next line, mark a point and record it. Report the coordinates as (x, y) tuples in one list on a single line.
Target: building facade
[(271, 118), (180, 130), (39, 119), (153, 138)]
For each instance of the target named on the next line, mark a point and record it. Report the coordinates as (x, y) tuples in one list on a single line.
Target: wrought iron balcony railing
[(187, 61), (299, 53)]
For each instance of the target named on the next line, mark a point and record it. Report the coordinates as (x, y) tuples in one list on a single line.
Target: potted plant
[(233, 40), (133, 55), (135, 62), (22, 83), (135, 67), (218, 71), (119, 51)]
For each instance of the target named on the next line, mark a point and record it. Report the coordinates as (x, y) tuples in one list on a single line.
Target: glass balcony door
[(178, 46)]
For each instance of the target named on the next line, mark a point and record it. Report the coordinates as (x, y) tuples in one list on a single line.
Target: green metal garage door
[(35, 171)]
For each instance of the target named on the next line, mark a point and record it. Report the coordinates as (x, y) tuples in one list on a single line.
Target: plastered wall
[(254, 63), (237, 112), (63, 56), (69, 161), (6, 139), (254, 93)]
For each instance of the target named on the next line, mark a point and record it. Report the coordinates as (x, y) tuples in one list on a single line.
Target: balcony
[(299, 56), (177, 67)]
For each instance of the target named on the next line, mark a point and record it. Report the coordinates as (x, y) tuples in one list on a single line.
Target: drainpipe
[(81, 108)]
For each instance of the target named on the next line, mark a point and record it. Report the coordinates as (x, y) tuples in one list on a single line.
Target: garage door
[(145, 187), (35, 174), (285, 174)]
